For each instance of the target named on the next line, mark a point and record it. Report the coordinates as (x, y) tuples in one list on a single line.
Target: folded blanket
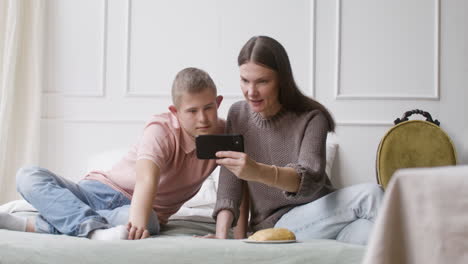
[(423, 219)]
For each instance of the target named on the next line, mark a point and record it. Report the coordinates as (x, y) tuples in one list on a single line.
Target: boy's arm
[(240, 230), (147, 180)]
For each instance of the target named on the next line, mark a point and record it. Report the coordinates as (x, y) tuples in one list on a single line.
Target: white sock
[(12, 222), (114, 233)]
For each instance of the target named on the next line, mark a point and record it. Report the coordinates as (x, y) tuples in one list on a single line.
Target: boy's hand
[(135, 232)]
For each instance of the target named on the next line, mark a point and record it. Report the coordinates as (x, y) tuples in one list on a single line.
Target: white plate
[(269, 241)]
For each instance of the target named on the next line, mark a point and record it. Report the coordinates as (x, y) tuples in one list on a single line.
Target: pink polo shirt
[(166, 144)]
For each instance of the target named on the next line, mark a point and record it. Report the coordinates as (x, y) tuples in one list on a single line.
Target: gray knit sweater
[(287, 139)]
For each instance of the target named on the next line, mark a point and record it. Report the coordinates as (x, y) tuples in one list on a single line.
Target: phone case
[(208, 145)]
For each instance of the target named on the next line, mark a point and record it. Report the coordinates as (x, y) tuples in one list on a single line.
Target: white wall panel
[(167, 36), (110, 65), (377, 59), (288, 22), (387, 49), (76, 47)]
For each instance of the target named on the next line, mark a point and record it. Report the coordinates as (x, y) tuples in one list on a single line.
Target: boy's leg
[(63, 205), (329, 215), (116, 210), (120, 216)]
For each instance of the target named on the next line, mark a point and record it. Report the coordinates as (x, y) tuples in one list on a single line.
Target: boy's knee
[(25, 179)]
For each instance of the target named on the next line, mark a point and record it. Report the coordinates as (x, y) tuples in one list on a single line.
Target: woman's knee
[(357, 232), (371, 199), (377, 192), (372, 190)]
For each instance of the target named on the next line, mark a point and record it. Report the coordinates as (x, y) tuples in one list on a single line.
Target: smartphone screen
[(208, 145)]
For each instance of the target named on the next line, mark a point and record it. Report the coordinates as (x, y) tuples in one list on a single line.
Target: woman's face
[(260, 87)]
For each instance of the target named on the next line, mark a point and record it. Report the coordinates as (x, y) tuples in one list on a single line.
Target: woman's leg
[(357, 232), (328, 216)]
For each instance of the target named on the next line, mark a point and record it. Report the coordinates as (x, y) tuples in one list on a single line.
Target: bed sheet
[(176, 244)]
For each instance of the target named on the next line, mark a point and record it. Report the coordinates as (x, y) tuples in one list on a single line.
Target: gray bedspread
[(175, 245)]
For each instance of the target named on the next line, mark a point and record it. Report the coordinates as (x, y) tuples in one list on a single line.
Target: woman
[(283, 165)]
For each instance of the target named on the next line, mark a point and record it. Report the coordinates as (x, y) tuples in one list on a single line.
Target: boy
[(161, 172)]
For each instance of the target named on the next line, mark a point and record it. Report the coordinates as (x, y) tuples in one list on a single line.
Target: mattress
[(176, 244)]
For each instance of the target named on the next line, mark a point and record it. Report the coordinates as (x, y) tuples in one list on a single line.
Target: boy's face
[(198, 112)]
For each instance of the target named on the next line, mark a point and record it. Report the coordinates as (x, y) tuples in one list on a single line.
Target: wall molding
[(312, 63), (436, 89), (141, 121), (94, 121), (373, 123), (52, 92), (128, 91), (100, 91)]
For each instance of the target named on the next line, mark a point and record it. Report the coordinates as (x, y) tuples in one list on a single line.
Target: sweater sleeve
[(310, 165), (229, 194)]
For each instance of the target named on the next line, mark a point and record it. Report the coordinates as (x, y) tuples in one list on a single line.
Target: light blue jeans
[(74, 209), (346, 215)]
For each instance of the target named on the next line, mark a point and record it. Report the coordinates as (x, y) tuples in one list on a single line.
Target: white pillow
[(215, 176), (206, 196), (332, 146), (105, 160)]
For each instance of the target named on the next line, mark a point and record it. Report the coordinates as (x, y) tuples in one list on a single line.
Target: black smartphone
[(208, 145)]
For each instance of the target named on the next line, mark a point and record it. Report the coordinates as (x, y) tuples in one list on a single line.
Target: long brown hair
[(270, 53)]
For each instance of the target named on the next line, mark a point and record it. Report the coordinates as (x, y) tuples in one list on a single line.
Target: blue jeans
[(74, 209), (346, 215)]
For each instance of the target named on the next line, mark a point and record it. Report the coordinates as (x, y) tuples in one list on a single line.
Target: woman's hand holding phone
[(239, 164)]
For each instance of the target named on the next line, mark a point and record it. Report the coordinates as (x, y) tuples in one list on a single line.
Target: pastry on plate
[(273, 234)]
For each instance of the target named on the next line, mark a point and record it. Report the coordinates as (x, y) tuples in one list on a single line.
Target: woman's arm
[(304, 174), (283, 178), (147, 180), (243, 167), (224, 220), (240, 230), (223, 224)]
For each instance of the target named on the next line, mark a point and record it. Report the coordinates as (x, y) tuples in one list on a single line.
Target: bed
[(176, 244)]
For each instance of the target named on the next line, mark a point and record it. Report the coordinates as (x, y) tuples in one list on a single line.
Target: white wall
[(110, 65)]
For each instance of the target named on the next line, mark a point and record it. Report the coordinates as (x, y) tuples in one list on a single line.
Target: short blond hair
[(191, 80)]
